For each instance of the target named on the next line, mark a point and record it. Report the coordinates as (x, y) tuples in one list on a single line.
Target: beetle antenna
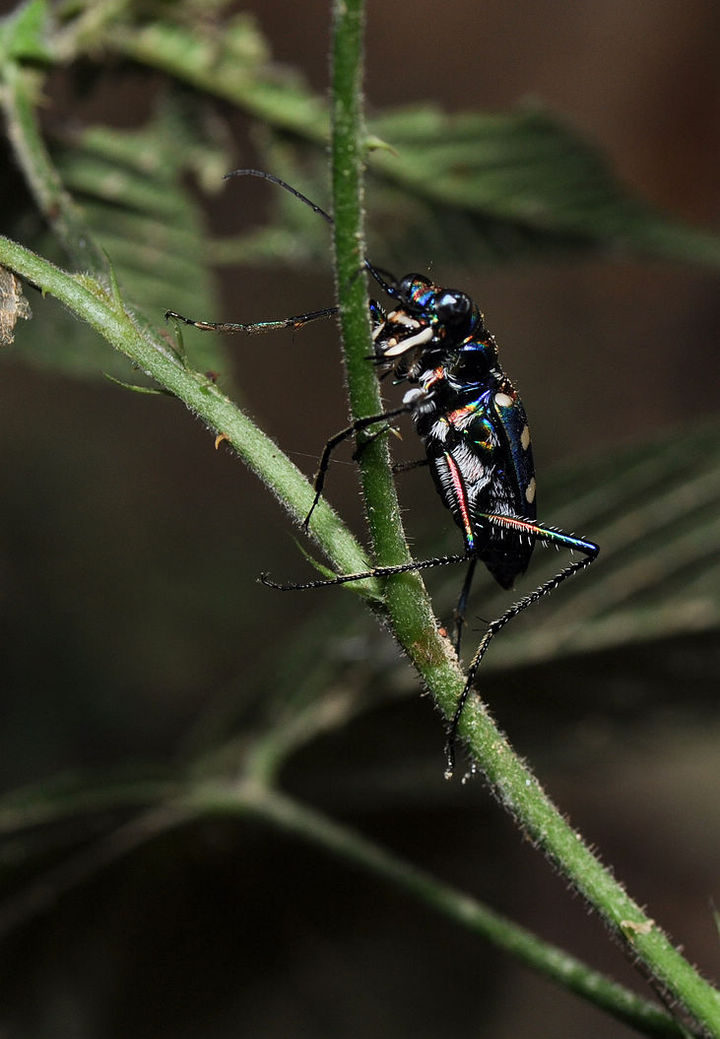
[(283, 184), (384, 278)]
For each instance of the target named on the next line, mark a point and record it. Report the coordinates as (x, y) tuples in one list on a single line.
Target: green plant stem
[(34, 807), (512, 782), (348, 239), (407, 601)]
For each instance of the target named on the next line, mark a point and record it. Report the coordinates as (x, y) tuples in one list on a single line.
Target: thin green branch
[(77, 869), (411, 618), (409, 606), (32, 807), (347, 160), (543, 957), (170, 807)]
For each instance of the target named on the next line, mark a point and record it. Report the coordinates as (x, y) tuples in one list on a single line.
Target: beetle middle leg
[(336, 440)]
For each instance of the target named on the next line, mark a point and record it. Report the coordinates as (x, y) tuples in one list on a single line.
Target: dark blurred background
[(131, 619)]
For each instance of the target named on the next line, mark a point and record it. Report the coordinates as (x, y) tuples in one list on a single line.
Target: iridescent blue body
[(468, 415)]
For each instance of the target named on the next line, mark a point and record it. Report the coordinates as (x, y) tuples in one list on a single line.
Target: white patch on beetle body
[(398, 317), (525, 438), (407, 344), (503, 401), (530, 491)]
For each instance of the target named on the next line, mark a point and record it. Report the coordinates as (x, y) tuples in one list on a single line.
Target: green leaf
[(22, 33), (230, 60), (442, 186), (509, 184), (137, 206), (477, 187)]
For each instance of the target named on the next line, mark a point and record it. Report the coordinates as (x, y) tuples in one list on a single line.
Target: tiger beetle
[(473, 427)]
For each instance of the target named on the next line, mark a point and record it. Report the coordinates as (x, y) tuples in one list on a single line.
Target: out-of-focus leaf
[(22, 33), (513, 185), (524, 180), (138, 208), (229, 59), (441, 186)]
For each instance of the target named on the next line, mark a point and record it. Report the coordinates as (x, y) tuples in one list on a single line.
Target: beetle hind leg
[(460, 610), (537, 532)]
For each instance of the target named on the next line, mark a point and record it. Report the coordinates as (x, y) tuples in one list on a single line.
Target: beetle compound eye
[(412, 289)]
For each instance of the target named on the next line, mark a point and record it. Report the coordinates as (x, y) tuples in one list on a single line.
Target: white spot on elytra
[(525, 438), (502, 400), (530, 491)]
